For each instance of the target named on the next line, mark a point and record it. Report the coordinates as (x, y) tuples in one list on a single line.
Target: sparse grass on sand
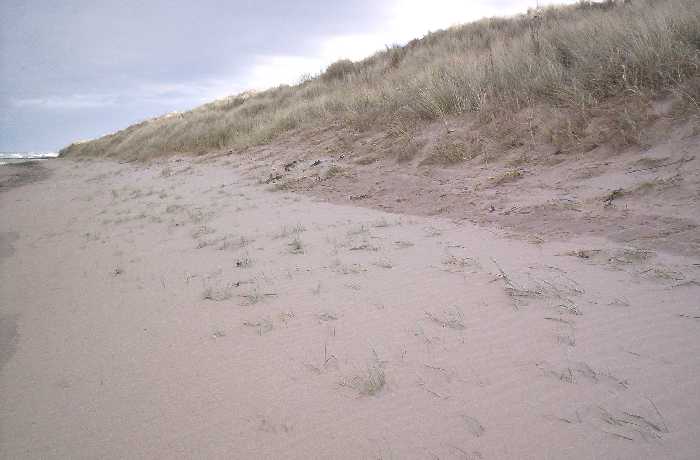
[(263, 326), (286, 231), (244, 261), (367, 383), (296, 246), (558, 65), (217, 294), (346, 269), (255, 296), (451, 318)]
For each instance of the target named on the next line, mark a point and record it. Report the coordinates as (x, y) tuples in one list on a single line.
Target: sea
[(19, 157)]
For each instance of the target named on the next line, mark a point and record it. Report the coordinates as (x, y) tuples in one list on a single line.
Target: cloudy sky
[(78, 69)]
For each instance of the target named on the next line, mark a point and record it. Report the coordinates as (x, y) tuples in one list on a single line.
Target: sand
[(182, 310), (14, 173), (644, 195)]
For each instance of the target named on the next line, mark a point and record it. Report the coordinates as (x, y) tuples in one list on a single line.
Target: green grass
[(569, 60)]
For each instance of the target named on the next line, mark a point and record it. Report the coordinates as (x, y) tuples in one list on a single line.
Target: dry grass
[(451, 318), (347, 269), (446, 153), (233, 242), (217, 294), (383, 263), (358, 230), (381, 223), (368, 383), (513, 289), (565, 61), (286, 231), (454, 263), (327, 316), (507, 176), (255, 296), (244, 261), (332, 172), (296, 246), (262, 326)]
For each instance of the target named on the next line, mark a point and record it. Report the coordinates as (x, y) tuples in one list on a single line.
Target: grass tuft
[(296, 246), (369, 383), (217, 294)]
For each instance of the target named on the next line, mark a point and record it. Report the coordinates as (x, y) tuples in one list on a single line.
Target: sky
[(78, 69)]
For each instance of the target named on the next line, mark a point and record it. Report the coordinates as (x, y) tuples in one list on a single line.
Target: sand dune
[(179, 310)]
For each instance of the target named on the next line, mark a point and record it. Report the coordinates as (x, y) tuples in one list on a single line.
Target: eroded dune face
[(178, 310)]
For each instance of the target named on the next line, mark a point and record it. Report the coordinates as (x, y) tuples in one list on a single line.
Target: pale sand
[(382, 336)]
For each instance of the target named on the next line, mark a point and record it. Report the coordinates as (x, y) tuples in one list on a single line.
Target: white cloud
[(73, 101), (187, 93), (407, 19), (275, 70), (172, 95)]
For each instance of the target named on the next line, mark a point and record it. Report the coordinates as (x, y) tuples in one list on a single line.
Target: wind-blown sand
[(178, 310)]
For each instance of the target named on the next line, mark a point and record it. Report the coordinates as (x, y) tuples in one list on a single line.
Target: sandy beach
[(179, 309)]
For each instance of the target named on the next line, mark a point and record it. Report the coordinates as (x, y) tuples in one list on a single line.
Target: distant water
[(18, 157)]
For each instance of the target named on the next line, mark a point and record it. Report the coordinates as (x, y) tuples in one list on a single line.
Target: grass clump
[(339, 70), (255, 296), (286, 231), (262, 326), (452, 318), (510, 175), (244, 262), (217, 294), (383, 263), (332, 172), (327, 316), (446, 153), (296, 246), (347, 269), (454, 263), (368, 383)]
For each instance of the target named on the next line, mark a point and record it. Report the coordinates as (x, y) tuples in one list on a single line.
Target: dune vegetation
[(566, 64)]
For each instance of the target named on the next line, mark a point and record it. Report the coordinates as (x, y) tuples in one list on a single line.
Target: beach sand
[(15, 173), (180, 309)]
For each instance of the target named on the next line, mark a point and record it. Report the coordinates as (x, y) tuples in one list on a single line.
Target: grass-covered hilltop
[(567, 76)]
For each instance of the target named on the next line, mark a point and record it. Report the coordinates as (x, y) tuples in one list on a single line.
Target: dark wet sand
[(16, 174)]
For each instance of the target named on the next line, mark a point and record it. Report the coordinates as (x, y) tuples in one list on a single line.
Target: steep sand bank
[(644, 194), (178, 310)]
